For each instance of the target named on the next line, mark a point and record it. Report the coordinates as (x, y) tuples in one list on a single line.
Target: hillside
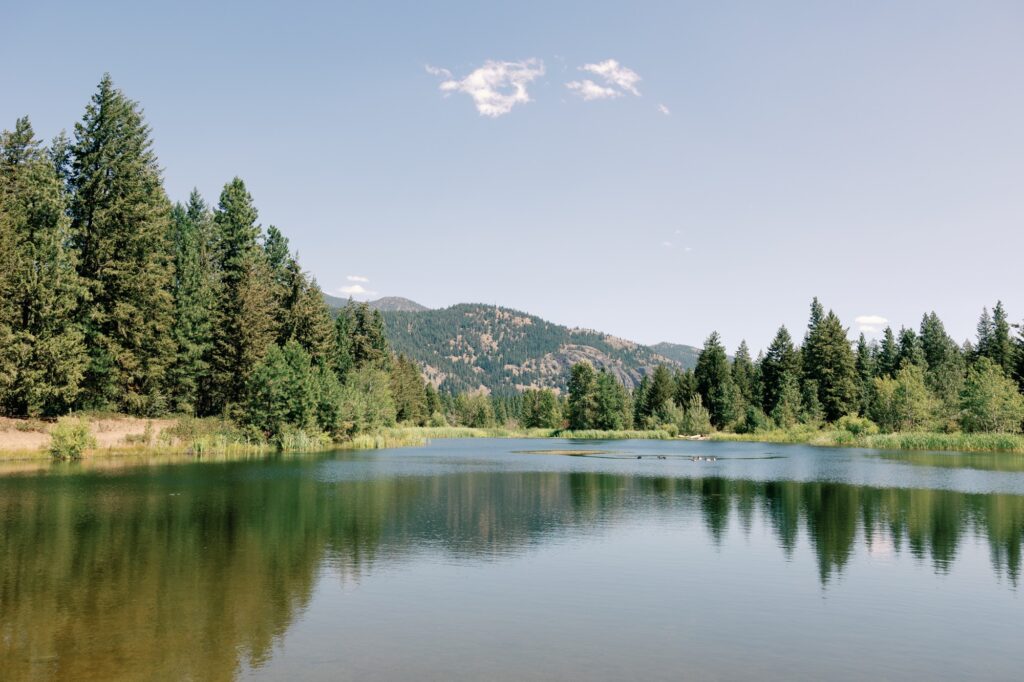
[(388, 303), (684, 355), (473, 346)]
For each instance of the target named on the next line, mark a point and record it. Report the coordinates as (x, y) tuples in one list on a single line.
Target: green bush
[(857, 426), (70, 438)]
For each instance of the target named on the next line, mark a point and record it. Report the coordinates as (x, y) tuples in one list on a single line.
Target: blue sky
[(869, 153)]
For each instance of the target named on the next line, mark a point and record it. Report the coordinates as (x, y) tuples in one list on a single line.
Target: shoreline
[(126, 438)]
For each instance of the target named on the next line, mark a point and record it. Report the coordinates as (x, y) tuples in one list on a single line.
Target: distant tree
[(714, 382), (903, 402), (366, 403), (408, 392), (864, 362), (910, 350), (659, 394), (788, 406), (686, 387), (582, 396), (990, 400), (611, 403), (42, 354), (540, 409), (696, 418), (280, 392), (828, 362), (640, 404), (744, 376), (781, 365), (888, 359), (120, 229)]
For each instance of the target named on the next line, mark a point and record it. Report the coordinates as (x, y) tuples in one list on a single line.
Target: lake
[(516, 560)]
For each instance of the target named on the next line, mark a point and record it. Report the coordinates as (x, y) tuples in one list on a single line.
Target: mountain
[(684, 355), (396, 303), (470, 347)]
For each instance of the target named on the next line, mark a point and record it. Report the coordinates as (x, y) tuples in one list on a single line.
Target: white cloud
[(665, 110), (438, 71), (589, 90), (667, 244), (688, 249), (615, 74), (870, 324), (356, 290), (357, 278), (495, 87)]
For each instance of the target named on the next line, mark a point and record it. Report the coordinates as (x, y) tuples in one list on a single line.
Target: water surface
[(518, 560)]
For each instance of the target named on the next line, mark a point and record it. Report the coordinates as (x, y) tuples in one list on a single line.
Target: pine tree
[(1000, 350), (121, 227), (910, 350), (686, 388), (714, 382), (195, 297), (407, 390), (945, 366), (42, 354), (743, 375), (611, 403), (780, 364), (659, 395), (864, 362), (246, 324), (887, 361), (828, 362)]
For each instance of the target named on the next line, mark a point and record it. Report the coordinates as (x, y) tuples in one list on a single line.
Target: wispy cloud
[(438, 71), (357, 278), (589, 90), (870, 324), (615, 74), (496, 86), (667, 245), (665, 110)]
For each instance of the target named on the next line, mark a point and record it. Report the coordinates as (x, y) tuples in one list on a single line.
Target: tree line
[(913, 380), (113, 298)]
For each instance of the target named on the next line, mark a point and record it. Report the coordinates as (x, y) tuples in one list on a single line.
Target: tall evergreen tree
[(660, 393), (42, 354), (781, 364), (888, 358), (864, 361), (246, 324), (714, 382), (744, 376), (120, 225), (828, 362), (910, 350), (195, 298)]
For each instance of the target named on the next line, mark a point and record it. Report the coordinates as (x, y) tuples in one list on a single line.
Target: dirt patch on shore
[(20, 435)]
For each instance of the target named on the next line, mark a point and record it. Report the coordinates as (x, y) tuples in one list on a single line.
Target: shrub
[(857, 426), (70, 438)]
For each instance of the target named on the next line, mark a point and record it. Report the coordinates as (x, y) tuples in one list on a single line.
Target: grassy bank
[(962, 442)]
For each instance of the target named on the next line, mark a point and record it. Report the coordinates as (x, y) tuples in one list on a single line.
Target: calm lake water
[(492, 559)]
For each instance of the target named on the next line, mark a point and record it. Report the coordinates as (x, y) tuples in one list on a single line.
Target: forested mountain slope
[(471, 346)]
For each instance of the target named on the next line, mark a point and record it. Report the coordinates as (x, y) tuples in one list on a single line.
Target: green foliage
[(612, 409), (280, 392), (582, 396), (990, 400), (714, 382), (408, 391), (540, 409), (696, 418), (70, 438), (42, 354), (366, 403), (828, 362), (120, 229), (858, 426), (903, 402), (780, 368)]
